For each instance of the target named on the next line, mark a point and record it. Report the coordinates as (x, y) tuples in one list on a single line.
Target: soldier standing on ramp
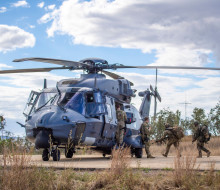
[(173, 136), (122, 118), (145, 136), (202, 136)]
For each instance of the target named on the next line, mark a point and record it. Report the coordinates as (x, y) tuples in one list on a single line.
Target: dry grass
[(120, 175)]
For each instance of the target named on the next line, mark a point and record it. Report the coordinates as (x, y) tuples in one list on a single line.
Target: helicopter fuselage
[(82, 113)]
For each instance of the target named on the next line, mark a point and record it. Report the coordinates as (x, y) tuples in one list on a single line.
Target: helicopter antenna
[(156, 96), (45, 83), (155, 99)]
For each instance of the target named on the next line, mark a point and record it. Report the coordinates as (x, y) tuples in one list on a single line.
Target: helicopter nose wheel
[(56, 154), (45, 155)]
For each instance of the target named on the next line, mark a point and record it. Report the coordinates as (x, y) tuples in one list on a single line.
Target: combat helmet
[(196, 123)]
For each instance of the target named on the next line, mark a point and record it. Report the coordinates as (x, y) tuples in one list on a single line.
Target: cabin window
[(76, 103), (130, 118), (94, 104)]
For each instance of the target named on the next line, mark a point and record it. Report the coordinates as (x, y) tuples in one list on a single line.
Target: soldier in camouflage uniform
[(171, 139), (122, 118), (201, 134), (145, 136)]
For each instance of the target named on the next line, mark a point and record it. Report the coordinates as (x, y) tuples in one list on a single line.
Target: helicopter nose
[(44, 118)]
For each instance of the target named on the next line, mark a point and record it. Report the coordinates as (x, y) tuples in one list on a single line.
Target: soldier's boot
[(208, 153), (148, 153), (150, 156), (165, 155), (200, 154)]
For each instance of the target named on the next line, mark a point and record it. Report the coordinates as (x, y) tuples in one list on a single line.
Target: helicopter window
[(65, 97), (89, 98), (98, 97), (45, 99), (94, 104), (30, 104), (76, 103), (130, 118)]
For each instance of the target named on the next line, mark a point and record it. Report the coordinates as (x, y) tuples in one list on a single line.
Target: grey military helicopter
[(82, 111)]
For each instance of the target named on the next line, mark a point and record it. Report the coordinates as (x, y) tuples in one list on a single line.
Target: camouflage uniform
[(200, 136), (121, 117), (171, 138), (145, 136)]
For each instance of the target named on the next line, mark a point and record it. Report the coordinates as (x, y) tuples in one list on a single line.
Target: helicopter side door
[(109, 119)]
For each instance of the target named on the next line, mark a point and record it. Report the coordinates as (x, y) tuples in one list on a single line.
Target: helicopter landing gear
[(45, 155), (138, 152), (69, 152), (56, 154)]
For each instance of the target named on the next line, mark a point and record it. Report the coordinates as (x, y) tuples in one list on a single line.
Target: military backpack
[(178, 132), (204, 132)]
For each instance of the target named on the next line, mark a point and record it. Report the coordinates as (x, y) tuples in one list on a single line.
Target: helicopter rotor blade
[(115, 76), (151, 88), (164, 67), (67, 63), (158, 96), (33, 70)]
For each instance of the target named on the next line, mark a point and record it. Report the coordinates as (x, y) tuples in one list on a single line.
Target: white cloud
[(2, 65), (13, 37), (165, 26), (50, 7), (202, 93), (41, 5), (3, 9), (20, 4), (32, 26)]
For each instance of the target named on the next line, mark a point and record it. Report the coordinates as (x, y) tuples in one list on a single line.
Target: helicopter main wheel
[(138, 152), (45, 155), (69, 153), (56, 155), (104, 155)]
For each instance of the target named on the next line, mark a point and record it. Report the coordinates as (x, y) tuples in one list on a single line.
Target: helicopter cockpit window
[(44, 99), (76, 103), (65, 98), (33, 97), (94, 104)]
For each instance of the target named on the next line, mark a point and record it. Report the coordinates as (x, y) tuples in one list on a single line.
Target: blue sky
[(131, 32)]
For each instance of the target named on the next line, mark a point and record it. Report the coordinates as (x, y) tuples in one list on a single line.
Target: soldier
[(121, 117), (145, 136), (172, 139), (202, 136)]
